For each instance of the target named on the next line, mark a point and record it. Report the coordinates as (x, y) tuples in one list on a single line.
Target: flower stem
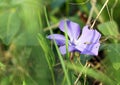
[(71, 56)]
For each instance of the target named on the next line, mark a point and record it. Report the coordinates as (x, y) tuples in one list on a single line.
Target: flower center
[(87, 43), (72, 43)]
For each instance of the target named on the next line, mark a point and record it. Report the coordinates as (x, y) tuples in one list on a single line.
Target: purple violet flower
[(87, 43)]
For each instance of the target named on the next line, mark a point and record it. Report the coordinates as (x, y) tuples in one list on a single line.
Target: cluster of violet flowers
[(85, 42)]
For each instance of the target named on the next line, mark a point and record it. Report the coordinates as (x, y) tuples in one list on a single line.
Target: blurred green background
[(28, 58)]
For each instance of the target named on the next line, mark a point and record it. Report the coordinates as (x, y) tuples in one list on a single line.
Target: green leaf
[(30, 25), (9, 25), (113, 53), (112, 61), (48, 55), (39, 70), (109, 28)]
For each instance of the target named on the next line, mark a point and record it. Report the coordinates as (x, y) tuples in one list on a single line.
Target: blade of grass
[(43, 43), (24, 83), (59, 54), (48, 55), (91, 72), (67, 56)]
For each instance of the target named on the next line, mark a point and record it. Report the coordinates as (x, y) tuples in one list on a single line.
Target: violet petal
[(89, 49), (72, 28), (63, 49), (60, 39), (89, 36)]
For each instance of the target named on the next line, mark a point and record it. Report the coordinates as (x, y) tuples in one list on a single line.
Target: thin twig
[(108, 37), (51, 27), (112, 8), (99, 13), (57, 64), (85, 78), (76, 81), (109, 12), (101, 19), (93, 3)]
